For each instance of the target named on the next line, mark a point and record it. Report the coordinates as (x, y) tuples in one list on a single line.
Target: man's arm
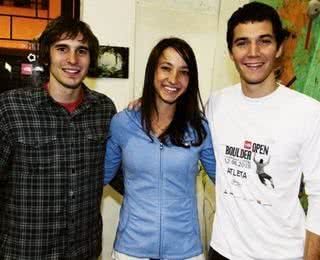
[(312, 246), (135, 104), (310, 160), (5, 157), (5, 150)]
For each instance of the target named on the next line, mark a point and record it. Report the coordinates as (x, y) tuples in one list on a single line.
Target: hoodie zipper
[(160, 198)]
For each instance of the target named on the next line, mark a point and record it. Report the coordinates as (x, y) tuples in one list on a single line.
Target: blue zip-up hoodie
[(158, 217)]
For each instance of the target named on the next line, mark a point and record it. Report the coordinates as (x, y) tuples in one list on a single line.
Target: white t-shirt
[(262, 146)]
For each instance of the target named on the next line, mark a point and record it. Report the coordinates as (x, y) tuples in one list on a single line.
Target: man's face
[(69, 62), (254, 52)]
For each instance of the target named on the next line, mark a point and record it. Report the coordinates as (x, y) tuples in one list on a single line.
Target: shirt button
[(71, 194)]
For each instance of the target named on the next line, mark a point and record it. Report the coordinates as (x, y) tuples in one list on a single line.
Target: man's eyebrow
[(266, 36), (260, 36), (60, 45), (241, 39), (83, 47)]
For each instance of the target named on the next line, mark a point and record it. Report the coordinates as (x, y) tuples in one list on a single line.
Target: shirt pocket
[(94, 146), (37, 141), (94, 135), (36, 152)]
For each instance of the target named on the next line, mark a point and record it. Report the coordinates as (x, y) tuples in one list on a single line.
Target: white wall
[(113, 22), (224, 72), (198, 26), (139, 25)]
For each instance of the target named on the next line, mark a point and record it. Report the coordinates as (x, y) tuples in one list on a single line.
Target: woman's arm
[(207, 156), (113, 155)]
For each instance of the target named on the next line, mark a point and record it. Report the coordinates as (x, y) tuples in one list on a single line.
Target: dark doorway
[(16, 71)]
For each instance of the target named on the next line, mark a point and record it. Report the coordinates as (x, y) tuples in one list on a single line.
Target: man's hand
[(135, 104), (312, 246)]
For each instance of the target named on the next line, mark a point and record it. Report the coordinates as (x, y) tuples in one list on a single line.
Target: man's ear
[(279, 51)]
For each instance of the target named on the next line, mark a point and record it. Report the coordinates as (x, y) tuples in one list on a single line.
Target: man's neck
[(259, 90), (64, 95)]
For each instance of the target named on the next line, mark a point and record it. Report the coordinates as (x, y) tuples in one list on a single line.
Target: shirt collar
[(41, 96)]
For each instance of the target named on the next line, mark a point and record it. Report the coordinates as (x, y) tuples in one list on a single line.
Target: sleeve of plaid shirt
[(4, 152), (5, 148)]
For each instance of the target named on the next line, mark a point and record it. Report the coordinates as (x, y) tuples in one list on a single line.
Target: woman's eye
[(185, 72), (165, 68)]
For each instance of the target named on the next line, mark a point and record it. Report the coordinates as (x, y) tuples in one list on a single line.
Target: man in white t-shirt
[(265, 135)]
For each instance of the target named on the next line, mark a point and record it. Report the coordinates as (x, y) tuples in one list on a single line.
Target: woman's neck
[(160, 121)]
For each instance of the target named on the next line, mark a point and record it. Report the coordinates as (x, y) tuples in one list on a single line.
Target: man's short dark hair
[(69, 28), (256, 12)]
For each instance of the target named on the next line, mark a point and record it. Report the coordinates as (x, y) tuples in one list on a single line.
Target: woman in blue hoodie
[(159, 147)]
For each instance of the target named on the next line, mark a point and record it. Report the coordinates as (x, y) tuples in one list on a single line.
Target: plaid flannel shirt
[(51, 175)]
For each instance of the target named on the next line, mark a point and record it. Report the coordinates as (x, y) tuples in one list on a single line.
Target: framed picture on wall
[(113, 62)]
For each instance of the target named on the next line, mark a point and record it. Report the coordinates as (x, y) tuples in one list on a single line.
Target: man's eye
[(83, 51), (265, 41), (61, 49), (241, 43)]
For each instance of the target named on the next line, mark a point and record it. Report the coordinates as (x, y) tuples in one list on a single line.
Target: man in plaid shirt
[(52, 145)]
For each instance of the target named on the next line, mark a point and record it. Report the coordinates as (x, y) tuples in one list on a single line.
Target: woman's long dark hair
[(188, 105)]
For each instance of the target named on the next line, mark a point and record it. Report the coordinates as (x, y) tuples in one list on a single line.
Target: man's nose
[(72, 58), (254, 49)]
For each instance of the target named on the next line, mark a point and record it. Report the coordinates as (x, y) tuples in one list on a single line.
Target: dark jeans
[(214, 255)]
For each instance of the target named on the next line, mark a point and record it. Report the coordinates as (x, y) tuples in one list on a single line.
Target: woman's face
[(171, 77)]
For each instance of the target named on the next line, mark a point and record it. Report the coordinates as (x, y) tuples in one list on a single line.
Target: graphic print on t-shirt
[(263, 176), (248, 161)]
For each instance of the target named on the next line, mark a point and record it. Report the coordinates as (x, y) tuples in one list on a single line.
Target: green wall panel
[(306, 62)]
